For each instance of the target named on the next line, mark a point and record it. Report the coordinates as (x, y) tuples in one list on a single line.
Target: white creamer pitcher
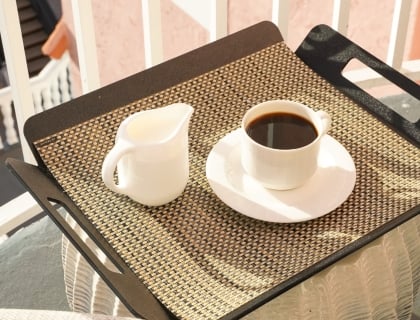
[(151, 155)]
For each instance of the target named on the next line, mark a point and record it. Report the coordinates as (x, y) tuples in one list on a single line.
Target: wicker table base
[(379, 281)]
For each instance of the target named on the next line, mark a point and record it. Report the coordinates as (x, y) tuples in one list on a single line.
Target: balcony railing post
[(37, 96), (153, 49), (398, 33), (8, 121), (218, 19), (17, 69), (340, 17), (54, 92), (86, 44), (280, 15), (65, 88)]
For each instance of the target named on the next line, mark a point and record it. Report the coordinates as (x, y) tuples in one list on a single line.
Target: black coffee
[(281, 130)]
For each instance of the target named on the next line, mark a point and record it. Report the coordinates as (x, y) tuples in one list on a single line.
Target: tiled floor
[(31, 272)]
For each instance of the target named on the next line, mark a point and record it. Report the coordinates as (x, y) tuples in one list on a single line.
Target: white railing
[(29, 96), (364, 77), (213, 15), (49, 88)]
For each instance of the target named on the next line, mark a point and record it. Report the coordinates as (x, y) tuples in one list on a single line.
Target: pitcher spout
[(181, 114)]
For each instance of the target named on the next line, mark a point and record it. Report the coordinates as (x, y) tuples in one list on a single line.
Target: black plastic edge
[(328, 52)]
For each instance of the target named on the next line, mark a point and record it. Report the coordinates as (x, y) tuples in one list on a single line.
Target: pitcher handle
[(109, 166)]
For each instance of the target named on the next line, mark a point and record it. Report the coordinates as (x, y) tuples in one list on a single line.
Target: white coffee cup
[(291, 161)]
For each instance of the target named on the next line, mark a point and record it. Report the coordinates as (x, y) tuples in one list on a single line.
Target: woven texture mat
[(195, 254)]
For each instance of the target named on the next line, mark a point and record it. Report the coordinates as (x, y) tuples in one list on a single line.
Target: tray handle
[(129, 289), (328, 52)]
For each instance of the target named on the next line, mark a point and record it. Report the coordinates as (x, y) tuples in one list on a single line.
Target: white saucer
[(328, 188)]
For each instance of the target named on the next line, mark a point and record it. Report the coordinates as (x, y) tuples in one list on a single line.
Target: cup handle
[(325, 120), (109, 166)]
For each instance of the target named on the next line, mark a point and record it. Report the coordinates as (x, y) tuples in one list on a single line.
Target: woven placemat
[(196, 255)]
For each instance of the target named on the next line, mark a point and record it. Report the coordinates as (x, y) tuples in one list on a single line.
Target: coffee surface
[(281, 130)]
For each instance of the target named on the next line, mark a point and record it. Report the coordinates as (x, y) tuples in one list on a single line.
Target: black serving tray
[(324, 50)]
